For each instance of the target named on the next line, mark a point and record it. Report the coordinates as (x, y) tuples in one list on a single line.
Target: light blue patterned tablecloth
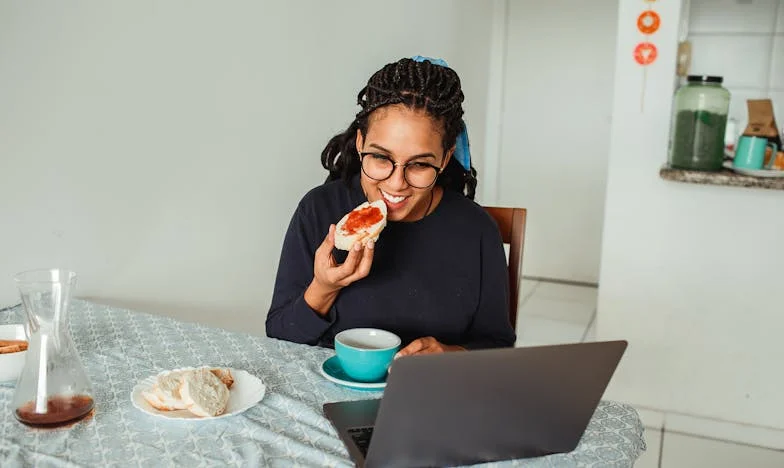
[(287, 428)]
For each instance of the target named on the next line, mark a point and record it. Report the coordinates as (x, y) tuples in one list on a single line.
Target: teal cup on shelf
[(366, 353), (750, 152)]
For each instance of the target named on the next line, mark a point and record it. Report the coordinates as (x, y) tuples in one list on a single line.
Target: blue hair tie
[(462, 151)]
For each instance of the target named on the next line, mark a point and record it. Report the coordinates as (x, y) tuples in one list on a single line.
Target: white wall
[(557, 101), (689, 273), (159, 148), (744, 43)]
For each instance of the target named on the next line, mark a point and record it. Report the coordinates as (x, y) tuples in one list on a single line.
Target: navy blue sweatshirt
[(444, 276)]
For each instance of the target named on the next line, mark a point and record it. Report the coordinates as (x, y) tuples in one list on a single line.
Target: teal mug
[(750, 152), (365, 354)]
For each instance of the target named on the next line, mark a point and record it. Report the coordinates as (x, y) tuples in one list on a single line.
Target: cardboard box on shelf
[(762, 121)]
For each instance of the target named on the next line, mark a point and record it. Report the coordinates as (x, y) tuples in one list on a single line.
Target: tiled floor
[(552, 313)]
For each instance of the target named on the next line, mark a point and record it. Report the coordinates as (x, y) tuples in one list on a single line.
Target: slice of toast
[(153, 398), (169, 389), (203, 393), (12, 346), (165, 394), (224, 374), (362, 224)]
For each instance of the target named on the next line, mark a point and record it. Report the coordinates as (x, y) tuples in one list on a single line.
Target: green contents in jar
[(698, 140)]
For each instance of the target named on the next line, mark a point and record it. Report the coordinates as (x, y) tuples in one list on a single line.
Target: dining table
[(120, 347)]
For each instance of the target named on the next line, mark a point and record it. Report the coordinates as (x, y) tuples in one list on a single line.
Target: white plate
[(246, 392), (756, 172)]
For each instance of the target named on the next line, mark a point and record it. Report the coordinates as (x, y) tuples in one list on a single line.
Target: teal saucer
[(332, 371)]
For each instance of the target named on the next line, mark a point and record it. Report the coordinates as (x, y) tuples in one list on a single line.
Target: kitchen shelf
[(724, 177)]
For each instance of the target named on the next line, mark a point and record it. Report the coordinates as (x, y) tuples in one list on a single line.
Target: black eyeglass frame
[(395, 165)]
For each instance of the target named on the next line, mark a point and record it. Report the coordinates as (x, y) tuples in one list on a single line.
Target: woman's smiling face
[(403, 136)]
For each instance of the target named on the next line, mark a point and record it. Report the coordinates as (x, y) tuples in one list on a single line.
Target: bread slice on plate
[(203, 393), (165, 394), (153, 398), (224, 375), (362, 224)]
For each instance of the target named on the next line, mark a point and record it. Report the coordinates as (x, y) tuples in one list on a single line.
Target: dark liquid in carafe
[(60, 411)]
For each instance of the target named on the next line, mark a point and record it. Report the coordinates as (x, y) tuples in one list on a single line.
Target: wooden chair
[(511, 223)]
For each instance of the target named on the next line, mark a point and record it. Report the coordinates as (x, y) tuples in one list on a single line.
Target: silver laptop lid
[(479, 406)]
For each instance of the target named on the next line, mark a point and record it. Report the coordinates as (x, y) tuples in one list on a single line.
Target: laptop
[(480, 406)]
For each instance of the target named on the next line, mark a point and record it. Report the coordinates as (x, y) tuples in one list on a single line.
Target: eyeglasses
[(417, 174)]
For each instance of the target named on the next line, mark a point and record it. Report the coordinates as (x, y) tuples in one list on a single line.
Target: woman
[(437, 275)]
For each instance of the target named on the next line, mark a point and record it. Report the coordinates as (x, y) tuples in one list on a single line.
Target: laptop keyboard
[(361, 437)]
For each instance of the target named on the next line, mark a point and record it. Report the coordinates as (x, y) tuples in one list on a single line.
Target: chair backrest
[(511, 223)]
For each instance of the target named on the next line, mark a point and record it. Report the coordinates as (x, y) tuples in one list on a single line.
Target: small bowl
[(11, 364), (366, 353)]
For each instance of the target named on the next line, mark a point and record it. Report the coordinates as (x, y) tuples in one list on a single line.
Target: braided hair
[(418, 85)]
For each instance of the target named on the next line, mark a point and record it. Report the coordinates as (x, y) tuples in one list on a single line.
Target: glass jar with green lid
[(699, 120)]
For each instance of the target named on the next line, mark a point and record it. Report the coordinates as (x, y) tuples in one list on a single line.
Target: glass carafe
[(53, 388)]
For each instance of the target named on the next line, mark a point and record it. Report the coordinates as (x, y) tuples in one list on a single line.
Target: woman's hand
[(329, 277), (427, 345)]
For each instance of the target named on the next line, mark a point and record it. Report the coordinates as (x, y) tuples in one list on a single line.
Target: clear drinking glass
[(53, 388)]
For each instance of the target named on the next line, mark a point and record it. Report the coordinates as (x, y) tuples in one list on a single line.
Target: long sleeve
[(490, 327), (290, 317)]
